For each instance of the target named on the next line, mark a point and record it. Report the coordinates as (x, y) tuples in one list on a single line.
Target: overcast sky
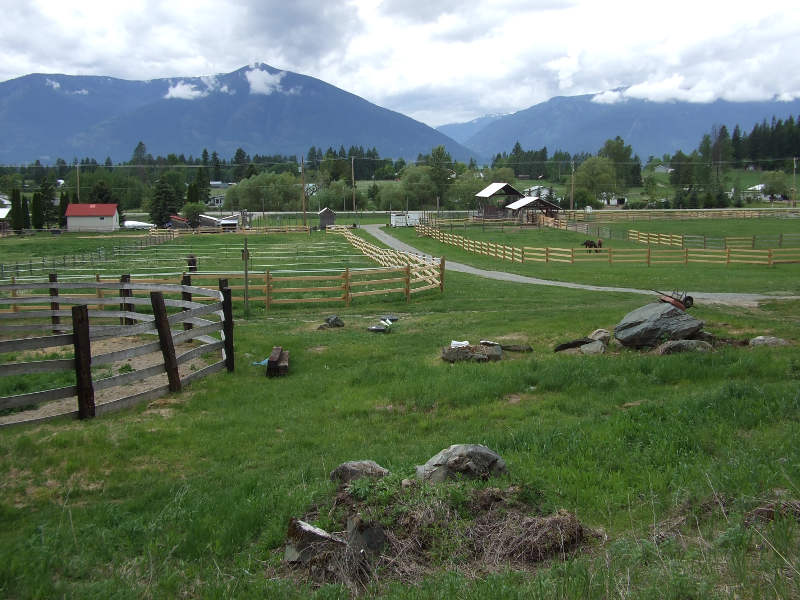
[(436, 61)]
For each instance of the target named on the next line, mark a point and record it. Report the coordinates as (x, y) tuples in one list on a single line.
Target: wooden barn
[(493, 199)]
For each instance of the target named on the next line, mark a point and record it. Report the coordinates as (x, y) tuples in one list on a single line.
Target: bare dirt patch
[(68, 405)]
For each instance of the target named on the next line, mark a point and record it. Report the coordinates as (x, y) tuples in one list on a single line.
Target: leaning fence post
[(441, 274), (408, 282), (227, 328), (165, 339), (83, 361), (186, 280), (54, 319)]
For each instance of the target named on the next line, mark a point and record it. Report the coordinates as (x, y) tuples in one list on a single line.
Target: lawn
[(664, 457), (784, 278)]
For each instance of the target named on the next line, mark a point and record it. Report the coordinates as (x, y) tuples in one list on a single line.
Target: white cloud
[(53, 84), (185, 91), (609, 97), (80, 92), (264, 82)]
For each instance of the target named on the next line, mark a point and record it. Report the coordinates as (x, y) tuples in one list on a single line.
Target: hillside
[(260, 109), (577, 124)]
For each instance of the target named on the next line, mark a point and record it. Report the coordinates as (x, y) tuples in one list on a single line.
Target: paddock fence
[(649, 255), (182, 317)]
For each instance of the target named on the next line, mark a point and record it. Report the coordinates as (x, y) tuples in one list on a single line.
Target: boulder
[(492, 352), (469, 460), (459, 353), (655, 323), (595, 347), (601, 335), (479, 353), (355, 469), (768, 340), (677, 346)]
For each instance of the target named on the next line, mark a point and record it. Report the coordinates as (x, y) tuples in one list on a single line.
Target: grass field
[(667, 457), (784, 278)]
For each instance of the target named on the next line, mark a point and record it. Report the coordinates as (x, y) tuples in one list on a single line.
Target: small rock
[(595, 347), (492, 352), (334, 321), (601, 335), (390, 318), (469, 460), (368, 536), (768, 340), (379, 329), (406, 483), (677, 346), (355, 469)]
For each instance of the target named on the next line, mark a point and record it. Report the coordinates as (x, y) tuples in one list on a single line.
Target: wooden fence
[(649, 255), (612, 216), (91, 323), (764, 242)]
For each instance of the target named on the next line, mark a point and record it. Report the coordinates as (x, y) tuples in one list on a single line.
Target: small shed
[(92, 217), (493, 198), (326, 217)]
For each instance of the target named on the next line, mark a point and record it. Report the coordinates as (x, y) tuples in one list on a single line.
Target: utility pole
[(303, 187), (794, 182), (572, 187), (78, 172)]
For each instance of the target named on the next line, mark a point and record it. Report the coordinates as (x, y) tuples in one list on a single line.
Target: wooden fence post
[(186, 297), (267, 289), (408, 282), (124, 306), (165, 339), (14, 307), (347, 286), (83, 361), (227, 327), (54, 319), (441, 274), (99, 291)]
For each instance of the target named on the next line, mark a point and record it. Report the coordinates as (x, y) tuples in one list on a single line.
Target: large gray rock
[(355, 469), (655, 323), (677, 346), (469, 460), (595, 347), (768, 340)]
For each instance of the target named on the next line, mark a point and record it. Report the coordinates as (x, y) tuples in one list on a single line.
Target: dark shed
[(326, 217)]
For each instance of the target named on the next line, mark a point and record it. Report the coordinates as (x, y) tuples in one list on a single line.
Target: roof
[(326, 210), (91, 210), (498, 189), (522, 202)]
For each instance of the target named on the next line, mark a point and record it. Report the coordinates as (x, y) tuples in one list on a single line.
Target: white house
[(92, 217)]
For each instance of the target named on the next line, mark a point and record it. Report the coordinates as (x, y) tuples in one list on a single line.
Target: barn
[(92, 217), (492, 199)]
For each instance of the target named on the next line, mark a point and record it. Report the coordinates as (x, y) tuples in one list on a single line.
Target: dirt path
[(731, 299)]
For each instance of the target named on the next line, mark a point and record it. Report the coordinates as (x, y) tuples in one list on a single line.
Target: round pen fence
[(98, 345)]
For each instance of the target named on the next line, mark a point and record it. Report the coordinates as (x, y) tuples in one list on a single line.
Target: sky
[(438, 61)]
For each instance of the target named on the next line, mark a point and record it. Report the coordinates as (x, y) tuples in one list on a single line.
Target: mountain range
[(582, 124), (267, 111), (258, 108)]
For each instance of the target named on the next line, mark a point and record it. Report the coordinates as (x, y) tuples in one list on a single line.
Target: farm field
[(666, 458), (784, 278)]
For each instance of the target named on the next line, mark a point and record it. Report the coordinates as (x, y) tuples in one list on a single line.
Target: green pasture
[(714, 227), (784, 278), (663, 456)]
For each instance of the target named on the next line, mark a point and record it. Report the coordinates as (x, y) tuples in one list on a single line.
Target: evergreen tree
[(48, 192), (38, 211), (17, 206), (26, 214), (62, 209), (163, 199)]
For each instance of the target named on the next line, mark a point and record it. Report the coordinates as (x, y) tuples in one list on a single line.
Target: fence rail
[(89, 326), (765, 242), (649, 255)]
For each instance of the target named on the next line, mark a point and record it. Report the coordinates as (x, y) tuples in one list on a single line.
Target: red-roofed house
[(92, 217)]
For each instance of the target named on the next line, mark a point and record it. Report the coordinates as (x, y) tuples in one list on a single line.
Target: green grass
[(193, 499), (784, 278)]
